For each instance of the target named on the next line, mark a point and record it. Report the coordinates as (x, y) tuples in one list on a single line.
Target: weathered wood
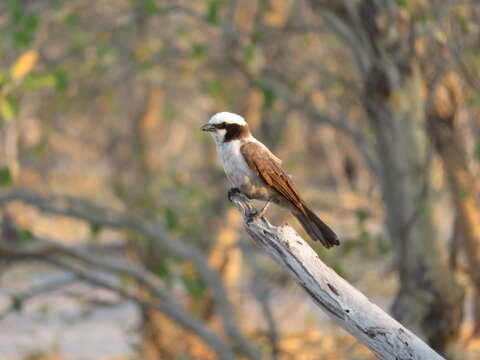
[(385, 336)]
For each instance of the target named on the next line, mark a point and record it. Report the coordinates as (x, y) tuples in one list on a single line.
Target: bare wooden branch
[(386, 337)]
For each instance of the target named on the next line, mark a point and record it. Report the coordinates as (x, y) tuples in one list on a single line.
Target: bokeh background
[(117, 240)]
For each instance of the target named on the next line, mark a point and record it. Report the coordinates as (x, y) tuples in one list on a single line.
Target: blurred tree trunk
[(442, 116), (157, 330), (381, 42), (428, 299)]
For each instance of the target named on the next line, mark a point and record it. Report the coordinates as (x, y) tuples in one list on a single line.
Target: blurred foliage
[(104, 99), (5, 177)]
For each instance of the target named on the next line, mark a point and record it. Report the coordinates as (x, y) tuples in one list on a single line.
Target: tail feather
[(316, 228)]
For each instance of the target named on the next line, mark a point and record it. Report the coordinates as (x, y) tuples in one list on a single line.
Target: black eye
[(221, 126)]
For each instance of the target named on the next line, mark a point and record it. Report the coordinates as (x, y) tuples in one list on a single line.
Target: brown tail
[(316, 228)]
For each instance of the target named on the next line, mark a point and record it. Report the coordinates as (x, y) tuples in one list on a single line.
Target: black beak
[(208, 127)]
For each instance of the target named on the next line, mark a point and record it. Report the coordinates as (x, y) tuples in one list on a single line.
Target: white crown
[(227, 117)]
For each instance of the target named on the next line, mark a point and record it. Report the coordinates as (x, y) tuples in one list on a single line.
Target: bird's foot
[(252, 216), (243, 202), (232, 193)]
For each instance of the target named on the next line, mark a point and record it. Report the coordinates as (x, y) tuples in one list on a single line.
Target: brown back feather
[(267, 166)]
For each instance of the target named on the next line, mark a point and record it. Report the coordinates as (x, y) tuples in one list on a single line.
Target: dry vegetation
[(105, 177)]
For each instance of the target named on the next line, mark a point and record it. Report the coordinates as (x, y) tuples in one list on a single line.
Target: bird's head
[(226, 126)]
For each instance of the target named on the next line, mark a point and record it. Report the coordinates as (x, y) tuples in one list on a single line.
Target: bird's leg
[(255, 214), (262, 212)]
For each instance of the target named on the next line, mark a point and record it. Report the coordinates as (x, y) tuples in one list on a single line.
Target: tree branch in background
[(17, 300), (56, 254), (386, 337), (84, 210)]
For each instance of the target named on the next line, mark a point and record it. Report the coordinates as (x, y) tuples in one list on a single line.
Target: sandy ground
[(65, 322), (67, 325)]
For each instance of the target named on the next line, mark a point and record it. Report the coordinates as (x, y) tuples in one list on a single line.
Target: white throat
[(219, 135)]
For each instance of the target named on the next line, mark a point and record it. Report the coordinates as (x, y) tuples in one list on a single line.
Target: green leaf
[(9, 108), (95, 229), (71, 19), (249, 53), (124, 281), (25, 236), (161, 269), (195, 287), (476, 152), (349, 245), (217, 89), (383, 245), (199, 51), (5, 177), (269, 95), (339, 269), (365, 237), (30, 24), (473, 100), (20, 40), (402, 3), (26, 27), (150, 7), (362, 215), (463, 193), (465, 24), (17, 303), (4, 78), (36, 81), (171, 218), (61, 81), (169, 114), (212, 11), (55, 3), (13, 8)]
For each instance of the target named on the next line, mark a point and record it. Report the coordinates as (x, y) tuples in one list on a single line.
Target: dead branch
[(386, 337)]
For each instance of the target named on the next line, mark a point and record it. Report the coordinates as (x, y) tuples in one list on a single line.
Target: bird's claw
[(253, 215), (232, 193), (240, 199)]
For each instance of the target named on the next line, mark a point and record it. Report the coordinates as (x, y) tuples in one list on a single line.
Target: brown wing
[(267, 166)]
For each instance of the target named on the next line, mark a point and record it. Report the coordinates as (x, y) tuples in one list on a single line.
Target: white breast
[(234, 164)]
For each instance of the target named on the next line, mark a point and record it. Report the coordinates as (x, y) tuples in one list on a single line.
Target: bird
[(256, 172)]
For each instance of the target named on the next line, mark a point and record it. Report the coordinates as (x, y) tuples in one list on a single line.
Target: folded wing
[(267, 166), (263, 163)]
